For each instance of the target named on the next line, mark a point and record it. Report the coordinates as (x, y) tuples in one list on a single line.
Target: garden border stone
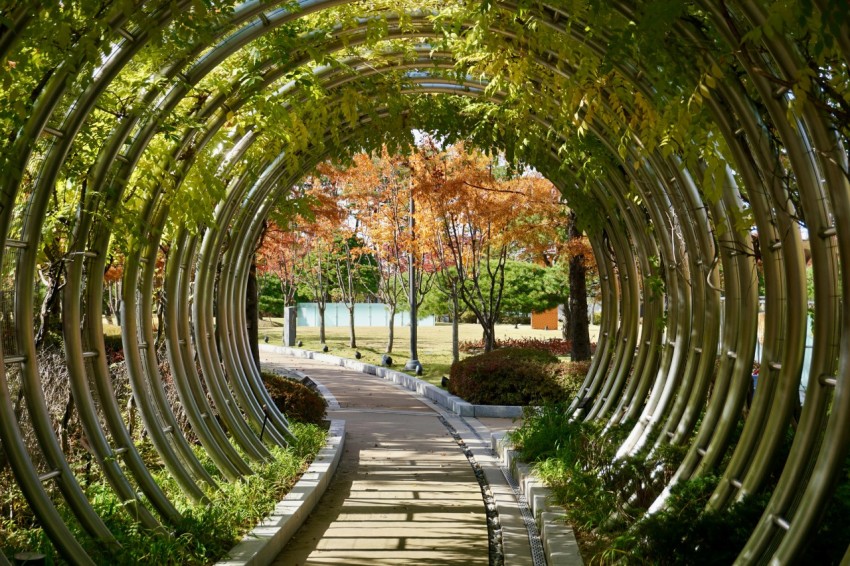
[(436, 394), (559, 541), (260, 546)]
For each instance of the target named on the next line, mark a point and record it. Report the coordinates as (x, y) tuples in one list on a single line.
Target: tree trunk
[(579, 324), (391, 335), (489, 335), (252, 313), (321, 324), (568, 321), (160, 317), (65, 424), (110, 312), (51, 305), (352, 339), (455, 329), (114, 304)]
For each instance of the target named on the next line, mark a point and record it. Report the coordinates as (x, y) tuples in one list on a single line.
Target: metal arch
[(626, 335), (262, 390), (766, 222), (231, 301), (181, 359), (666, 376), (250, 397), (218, 389), (638, 372), (39, 116), (143, 136), (204, 287), (706, 282), (55, 156), (739, 331), (778, 387), (22, 467), (648, 357), (231, 105), (144, 296), (815, 411), (690, 256), (151, 417), (208, 334)]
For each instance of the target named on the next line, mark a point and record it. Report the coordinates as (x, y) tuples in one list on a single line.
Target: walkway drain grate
[(538, 556), (494, 526)]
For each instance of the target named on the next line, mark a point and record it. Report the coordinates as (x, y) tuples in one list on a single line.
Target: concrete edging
[(439, 396), (267, 539), (559, 541)]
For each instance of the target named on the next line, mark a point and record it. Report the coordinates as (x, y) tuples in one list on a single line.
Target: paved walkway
[(404, 492)]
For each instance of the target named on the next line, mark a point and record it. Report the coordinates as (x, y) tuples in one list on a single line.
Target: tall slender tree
[(577, 319)]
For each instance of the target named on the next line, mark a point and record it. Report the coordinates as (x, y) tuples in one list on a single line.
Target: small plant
[(295, 400)]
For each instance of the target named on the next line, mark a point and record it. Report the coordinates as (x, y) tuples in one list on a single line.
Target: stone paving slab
[(403, 492)]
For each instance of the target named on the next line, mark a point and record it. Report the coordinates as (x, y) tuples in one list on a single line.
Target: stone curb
[(266, 541), (439, 396), (559, 541)]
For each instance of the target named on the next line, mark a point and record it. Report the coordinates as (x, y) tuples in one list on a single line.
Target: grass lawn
[(434, 342)]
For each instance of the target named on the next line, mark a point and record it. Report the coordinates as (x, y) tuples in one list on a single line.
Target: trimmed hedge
[(515, 376), (556, 346), (295, 400)]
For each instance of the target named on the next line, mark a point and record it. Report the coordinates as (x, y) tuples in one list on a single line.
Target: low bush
[(295, 400), (684, 529), (555, 346), (515, 376), (606, 498), (205, 533)]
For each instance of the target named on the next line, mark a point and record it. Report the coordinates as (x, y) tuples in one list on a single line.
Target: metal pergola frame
[(656, 375)]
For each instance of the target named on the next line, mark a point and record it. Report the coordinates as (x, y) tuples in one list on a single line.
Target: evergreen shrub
[(295, 400), (515, 376)]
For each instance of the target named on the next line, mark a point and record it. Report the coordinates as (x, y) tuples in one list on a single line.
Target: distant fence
[(365, 314)]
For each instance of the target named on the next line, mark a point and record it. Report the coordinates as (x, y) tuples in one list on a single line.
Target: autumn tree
[(281, 252), (348, 261), (377, 190), (473, 211), (316, 219)]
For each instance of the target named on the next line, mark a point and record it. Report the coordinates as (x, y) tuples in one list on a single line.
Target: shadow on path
[(404, 493)]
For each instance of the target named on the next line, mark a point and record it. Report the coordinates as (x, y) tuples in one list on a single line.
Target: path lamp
[(413, 363)]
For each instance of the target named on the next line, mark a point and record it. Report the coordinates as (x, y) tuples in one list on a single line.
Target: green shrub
[(681, 533), (515, 376), (295, 400), (206, 531), (828, 544)]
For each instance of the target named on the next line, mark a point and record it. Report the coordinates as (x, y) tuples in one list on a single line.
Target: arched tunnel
[(676, 131)]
